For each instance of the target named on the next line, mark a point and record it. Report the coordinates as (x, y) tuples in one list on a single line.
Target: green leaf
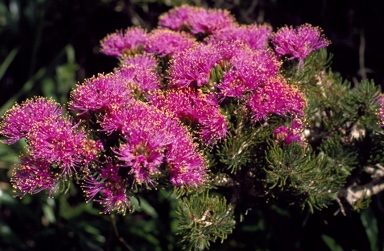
[(331, 243)]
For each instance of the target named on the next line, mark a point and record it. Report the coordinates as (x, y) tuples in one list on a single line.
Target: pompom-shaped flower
[(178, 18), (276, 97), (55, 146), (19, 120), (298, 43), (249, 70), (165, 42), (291, 134), (152, 135), (61, 144), (102, 92), (192, 106), (193, 67), (110, 186), (33, 176), (255, 36), (138, 78), (209, 21), (196, 20), (123, 42), (143, 153), (146, 61)]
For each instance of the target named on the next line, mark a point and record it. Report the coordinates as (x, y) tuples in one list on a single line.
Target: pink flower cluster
[(144, 123), (298, 43), (194, 107), (56, 146), (291, 134), (196, 20)]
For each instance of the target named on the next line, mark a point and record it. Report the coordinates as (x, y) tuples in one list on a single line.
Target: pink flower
[(192, 67), (51, 137), (143, 153), (110, 186), (196, 20), (165, 42), (149, 136), (192, 106), (255, 36), (291, 134), (146, 61), (298, 43), (123, 42), (33, 176), (209, 21), (178, 18), (61, 144), (249, 70), (276, 97), (138, 78), (19, 120), (102, 92)]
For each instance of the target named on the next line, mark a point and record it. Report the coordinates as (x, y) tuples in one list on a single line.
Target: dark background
[(46, 44)]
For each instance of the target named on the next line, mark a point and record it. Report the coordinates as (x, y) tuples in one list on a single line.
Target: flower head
[(19, 120), (298, 43), (178, 18), (151, 138), (61, 144), (33, 176), (143, 153), (165, 42), (209, 21), (110, 187), (102, 92), (123, 42), (255, 36), (250, 70), (196, 20), (192, 67), (192, 106), (276, 97), (146, 61), (138, 77)]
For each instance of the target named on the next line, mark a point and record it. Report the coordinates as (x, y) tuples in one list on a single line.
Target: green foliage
[(300, 173), (203, 218)]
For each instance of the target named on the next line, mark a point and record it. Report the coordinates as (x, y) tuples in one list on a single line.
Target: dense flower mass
[(192, 67), (33, 176), (276, 97), (298, 43), (179, 91), (152, 135), (165, 42), (102, 92), (291, 134), (56, 146), (250, 70), (255, 36), (18, 121), (191, 106), (196, 20), (123, 42)]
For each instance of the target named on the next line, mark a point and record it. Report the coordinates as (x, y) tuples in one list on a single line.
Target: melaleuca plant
[(230, 116)]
